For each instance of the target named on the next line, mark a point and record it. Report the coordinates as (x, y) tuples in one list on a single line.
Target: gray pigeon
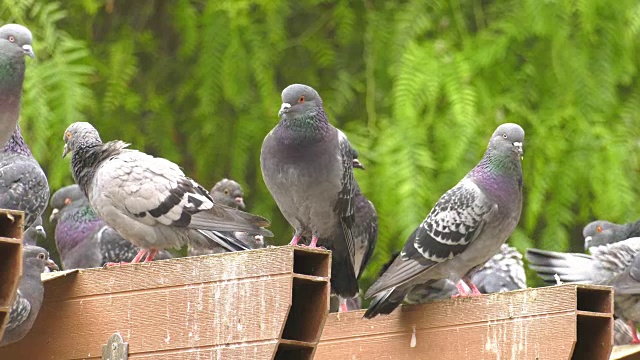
[(83, 239), (35, 234), (15, 44), (23, 184), (228, 192), (307, 165), (28, 300), (465, 228), (615, 264), (603, 232), (149, 201)]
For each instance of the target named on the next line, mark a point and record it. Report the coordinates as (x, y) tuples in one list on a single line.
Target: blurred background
[(418, 86)]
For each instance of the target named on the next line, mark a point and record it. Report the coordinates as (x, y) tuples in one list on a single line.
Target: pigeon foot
[(295, 240), (462, 292)]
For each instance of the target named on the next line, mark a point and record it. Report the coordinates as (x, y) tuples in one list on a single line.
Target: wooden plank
[(540, 323), (626, 352), (11, 222), (231, 306)]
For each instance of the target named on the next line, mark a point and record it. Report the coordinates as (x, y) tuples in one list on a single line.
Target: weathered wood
[(560, 322), (626, 352), (245, 305), (11, 222)]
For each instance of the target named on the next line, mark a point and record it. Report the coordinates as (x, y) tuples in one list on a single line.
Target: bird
[(148, 200), (28, 300), (307, 166), (35, 233), (229, 192), (82, 238), (616, 264), (601, 232), (15, 44), (622, 333), (503, 272), (465, 228), (23, 183)]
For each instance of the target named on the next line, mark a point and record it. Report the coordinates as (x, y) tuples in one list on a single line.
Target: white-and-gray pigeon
[(601, 232), (15, 44), (622, 332), (148, 200), (23, 184), (307, 165), (616, 264), (28, 300), (82, 238), (229, 192), (465, 228)]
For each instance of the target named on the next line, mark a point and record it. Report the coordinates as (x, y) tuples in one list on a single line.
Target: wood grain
[(11, 222)]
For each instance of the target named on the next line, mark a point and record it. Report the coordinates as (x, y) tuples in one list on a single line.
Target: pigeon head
[(508, 139), (299, 100), (35, 233), (599, 232), (35, 257), (228, 192), (64, 197), (79, 134), (15, 41)]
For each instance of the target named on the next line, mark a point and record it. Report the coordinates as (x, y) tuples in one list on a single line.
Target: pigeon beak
[(357, 164), (240, 201), (518, 146), (52, 265), (40, 230), (587, 242), (283, 109), (28, 50), (54, 215), (65, 151)]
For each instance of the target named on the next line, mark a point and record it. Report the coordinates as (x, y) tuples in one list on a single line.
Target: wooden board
[(560, 322), (244, 305), (626, 352), (11, 222)]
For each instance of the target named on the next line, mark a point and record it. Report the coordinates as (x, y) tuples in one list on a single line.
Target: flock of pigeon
[(128, 207)]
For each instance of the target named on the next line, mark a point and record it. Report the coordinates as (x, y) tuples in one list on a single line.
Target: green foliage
[(418, 85)]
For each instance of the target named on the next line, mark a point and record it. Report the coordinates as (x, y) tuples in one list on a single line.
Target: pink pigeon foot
[(462, 292), (634, 332), (151, 254), (295, 240), (472, 286), (343, 305)]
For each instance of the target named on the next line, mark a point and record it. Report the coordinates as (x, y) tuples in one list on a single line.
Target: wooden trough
[(553, 323), (261, 304), (11, 223)]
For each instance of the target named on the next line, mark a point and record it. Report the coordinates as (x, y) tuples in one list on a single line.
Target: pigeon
[(503, 272), (28, 300), (148, 200), (615, 264), (602, 232), (35, 234), (82, 238), (307, 165), (23, 184), (465, 228), (15, 44), (228, 192)]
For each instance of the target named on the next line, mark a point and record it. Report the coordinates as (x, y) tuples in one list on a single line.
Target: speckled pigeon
[(35, 234), (465, 228), (622, 333), (148, 200), (307, 165), (23, 184), (603, 232), (28, 300), (613, 264), (82, 238), (229, 192), (15, 44)]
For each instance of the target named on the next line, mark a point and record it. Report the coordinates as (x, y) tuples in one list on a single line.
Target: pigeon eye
[(41, 256), (68, 134), (504, 136), (226, 192), (67, 201), (12, 39), (301, 99), (599, 229)]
